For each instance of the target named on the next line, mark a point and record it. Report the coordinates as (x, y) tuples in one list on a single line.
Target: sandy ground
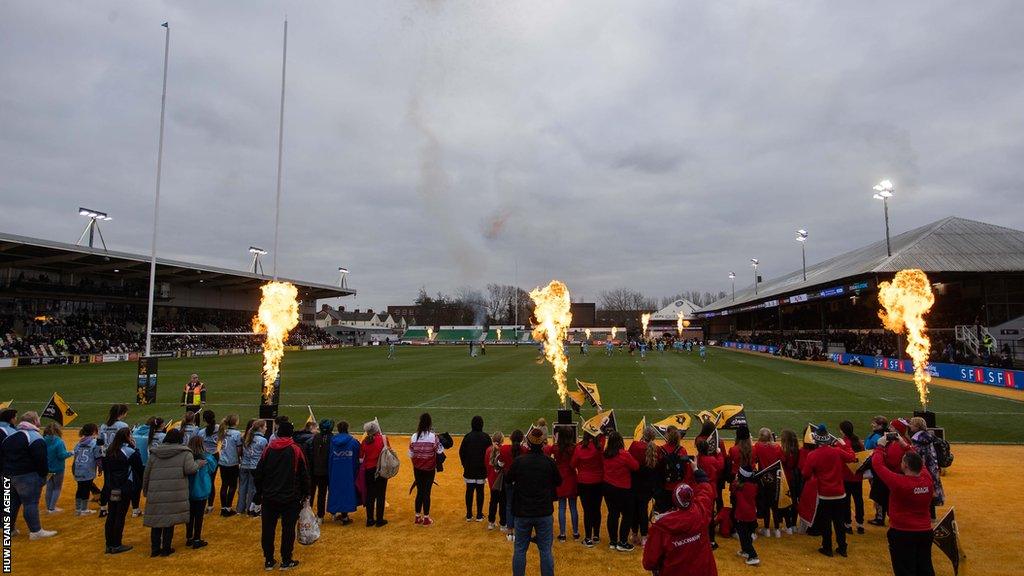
[(982, 485)]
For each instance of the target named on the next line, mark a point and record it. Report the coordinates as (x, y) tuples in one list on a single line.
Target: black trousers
[(768, 506), (476, 490), (288, 515), (213, 482), (160, 538), (318, 494), (590, 498), (424, 484), (194, 527), (84, 490), (376, 495), (911, 553), (620, 512), (745, 530), (496, 507), (831, 514), (641, 512), (855, 492), (113, 528), (228, 485)]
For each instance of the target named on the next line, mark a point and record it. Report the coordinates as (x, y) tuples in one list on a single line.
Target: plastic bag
[(308, 529)]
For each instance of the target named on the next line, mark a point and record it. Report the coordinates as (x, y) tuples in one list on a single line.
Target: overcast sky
[(657, 145)]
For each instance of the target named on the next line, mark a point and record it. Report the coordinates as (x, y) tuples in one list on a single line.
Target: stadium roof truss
[(948, 245), (26, 253)]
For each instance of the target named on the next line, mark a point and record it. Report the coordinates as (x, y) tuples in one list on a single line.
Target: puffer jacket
[(165, 484)]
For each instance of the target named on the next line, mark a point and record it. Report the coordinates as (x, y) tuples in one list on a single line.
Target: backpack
[(675, 467), (387, 463), (943, 454)]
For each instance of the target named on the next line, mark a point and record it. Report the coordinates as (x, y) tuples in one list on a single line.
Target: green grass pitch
[(509, 389)]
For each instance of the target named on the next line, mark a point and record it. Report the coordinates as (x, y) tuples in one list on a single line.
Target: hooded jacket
[(678, 543), (282, 476), (471, 454), (165, 484), (24, 452)]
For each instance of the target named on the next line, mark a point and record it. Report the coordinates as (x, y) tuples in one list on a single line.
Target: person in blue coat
[(343, 465)]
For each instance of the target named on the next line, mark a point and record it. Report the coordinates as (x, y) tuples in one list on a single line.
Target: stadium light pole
[(732, 276), (280, 143), (755, 262), (257, 265), (342, 273), (156, 203), (93, 227), (801, 237), (883, 191)]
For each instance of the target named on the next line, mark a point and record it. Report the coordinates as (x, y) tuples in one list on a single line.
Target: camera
[(890, 436)]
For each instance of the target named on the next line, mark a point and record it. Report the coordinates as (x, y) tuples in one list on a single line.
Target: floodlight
[(255, 250)]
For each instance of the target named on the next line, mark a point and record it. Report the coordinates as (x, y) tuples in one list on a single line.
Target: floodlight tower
[(755, 262), (342, 276), (883, 191), (801, 237), (732, 276), (93, 227), (257, 265)]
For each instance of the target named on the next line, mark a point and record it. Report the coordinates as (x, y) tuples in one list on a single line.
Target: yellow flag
[(59, 411), (809, 434), (602, 423), (174, 425), (732, 416), (311, 419), (862, 457), (589, 390), (785, 495), (6, 405), (638, 432), (680, 421), (576, 400)]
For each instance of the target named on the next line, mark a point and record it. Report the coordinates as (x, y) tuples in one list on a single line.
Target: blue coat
[(342, 467)]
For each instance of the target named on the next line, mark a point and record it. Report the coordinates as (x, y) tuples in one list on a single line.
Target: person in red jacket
[(495, 466), (589, 465), (825, 465), (712, 462), (673, 469), (910, 526), (791, 468), (645, 480), (854, 482), (767, 452), (618, 494), (892, 457), (508, 453), (562, 451), (744, 490), (676, 545)]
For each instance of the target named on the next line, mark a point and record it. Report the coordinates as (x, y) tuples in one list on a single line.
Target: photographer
[(910, 499), (894, 447)]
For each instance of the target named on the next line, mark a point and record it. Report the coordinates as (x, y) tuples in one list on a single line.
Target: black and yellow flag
[(809, 434), (174, 425), (732, 416), (946, 536), (863, 457), (709, 416), (589, 390), (59, 411), (638, 432), (602, 423), (681, 421), (311, 419), (576, 400), (6, 405)]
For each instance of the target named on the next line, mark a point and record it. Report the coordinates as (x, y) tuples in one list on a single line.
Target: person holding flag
[(193, 397), (618, 491), (767, 452), (910, 523), (589, 465), (711, 461), (645, 480), (25, 464), (825, 464), (677, 544)]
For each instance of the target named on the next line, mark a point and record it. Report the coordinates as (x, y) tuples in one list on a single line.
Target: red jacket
[(371, 452), (910, 497), (790, 465), (492, 472), (567, 489), (713, 466), (826, 465), (766, 454), (677, 544), (506, 456), (589, 464), (638, 450), (746, 501), (893, 455), (617, 470)]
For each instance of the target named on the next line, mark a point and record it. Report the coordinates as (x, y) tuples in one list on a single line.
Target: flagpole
[(280, 144), (156, 203)]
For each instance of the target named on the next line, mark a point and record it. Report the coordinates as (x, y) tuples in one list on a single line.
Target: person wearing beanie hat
[(678, 543), (826, 465), (474, 466), (318, 452), (282, 483), (535, 479)]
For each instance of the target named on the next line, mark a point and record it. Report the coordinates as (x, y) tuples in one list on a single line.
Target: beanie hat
[(899, 425), (821, 435), (682, 496), (536, 437), (285, 430), (326, 425), (742, 433)]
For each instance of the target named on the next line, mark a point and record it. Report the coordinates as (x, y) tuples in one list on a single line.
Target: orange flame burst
[(614, 332), (644, 319), (905, 301), (552, 311), (430, 334), (278, 314), (679, 323), (586, 332), (499, 333)]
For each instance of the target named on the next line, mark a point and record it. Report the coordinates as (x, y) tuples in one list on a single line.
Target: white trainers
[(55, 511), (41, 534), (742, 554), (490, 525), (753, 561), (778, 533), (136, 512), (511, 537), (789, 531)]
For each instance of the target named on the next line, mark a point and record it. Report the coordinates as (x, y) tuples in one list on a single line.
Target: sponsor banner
[(204, 353), (114, 358), (752, 347), (292, 348), (313, 347), (8, 363)]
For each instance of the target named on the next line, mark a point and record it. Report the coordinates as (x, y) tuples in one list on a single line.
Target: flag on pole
[(638, 432), (785, 494), (311, 419), (680, 421), (713, 439), (602, 423), (576, 400), (59, 411), (731, 416), (6, 405), (809, 434), (858, 466), (591, 393), (174, 425), (708, 416), (946, 536)]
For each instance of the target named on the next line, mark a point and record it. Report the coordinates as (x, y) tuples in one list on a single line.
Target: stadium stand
[(459, 334)]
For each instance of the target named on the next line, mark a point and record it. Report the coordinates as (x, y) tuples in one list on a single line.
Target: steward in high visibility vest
[(194, 396)]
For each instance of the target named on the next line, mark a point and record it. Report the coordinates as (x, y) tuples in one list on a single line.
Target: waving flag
[(863, 458), (576, 400), (590, 391), (602, 423), (638, 432), (680, 421), (732, 416), (946, 536), (310, 419), (59, 411)]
